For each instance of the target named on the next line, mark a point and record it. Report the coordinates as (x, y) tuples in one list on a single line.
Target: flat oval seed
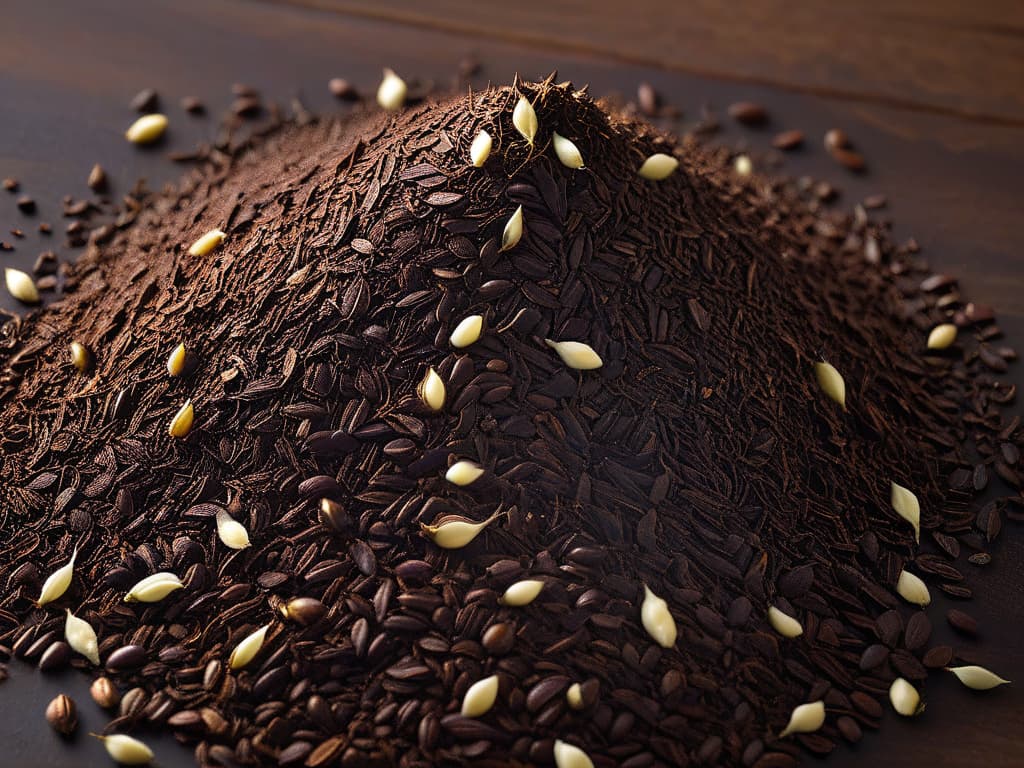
[(658, 166), (907, 506), (912, 589), (57, 583), (830, 380), (231, 532), (657, 619), (480, 149), (21, 286), (942, 336), (463, 473), (568, 153), (467, 332), (524, 118), (146, 129), (806, 718), (513, 231), (570, 756), (522, 593), (176, 360), (784, 624), (181, 424), (432, 391), (978, 678), (480, 697), (246, 650), (206, 243), (905, 698), (81, 637), (391, 91), (81, 357), (576, 354), (126, 750)]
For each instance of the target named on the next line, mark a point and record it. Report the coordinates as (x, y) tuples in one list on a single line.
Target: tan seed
[(62, 715), (181, 424)]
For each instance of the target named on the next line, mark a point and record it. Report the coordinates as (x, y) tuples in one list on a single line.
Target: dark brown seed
[(499, 639), (304, 610), (835, 139), (918, 632), (962, 622), (26, 205), (192, 105), (126, 657), (849, 159), (342, 89), (938, 657), (62, 715), (146, 100), (55, 657), (748, 113), (788, 140)]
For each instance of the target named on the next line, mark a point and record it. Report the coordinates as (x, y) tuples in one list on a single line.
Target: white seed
[(81, 637), (480, 149), (783, 623), (81, 357), (522, 593), (576, 354), (830, 380), (391, 91), (463, 473), (570, 756), (21, 286), (467, 332), (574, 696), (455, 534), (431, 391), (658, 166), (231, 532), (907, 506), (206, 243), (524, 118), (153, 589), (807, 718), (176, 360), (513, 231), (905, 698), (567, 152), (743, 165), (246, 650), (942, 336), (978, 678), (912, 589), (181, 424), (480, 697), (657, 619), (57, 583), (146, 129), (126, 750)]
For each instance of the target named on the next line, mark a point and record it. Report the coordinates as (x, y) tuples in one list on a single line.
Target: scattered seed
[(455, 534), (912, 589), (147, 129), (784, 624), (522, 593), (432, 391), (342, 89), (480, 697), (524, 118), (978, 678), (57, 583), (21, 286), (658, 166), (153, 589), (463, 473), (81, 637), (231, 532), (62, 715), (576, 354), (513, 231), (806, 718), (97, 180), (906, 505), (81, 357), (830, 380), (788, 140), (181, 424), (743, 165), (146, 100), (942, 336), (206, 243), (467, 332), (905, 698), (748, 113), (126, 750), (176, 360), (657, 619), (570, 756), (568, 154), (392, 91), (246, 650)]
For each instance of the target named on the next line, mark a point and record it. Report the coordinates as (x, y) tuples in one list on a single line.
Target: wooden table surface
[(930, 92)]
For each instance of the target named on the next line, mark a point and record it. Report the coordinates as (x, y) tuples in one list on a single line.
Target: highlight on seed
[(942, 336), (567, 152), (783, 623), (432, 390), (146, 129), (176, 360), (247, 649), (658, 166), (126, 749), (513, 231), (524, 118), (830, 380), (81, 357), (806, 718), (467, 332), (905, 503), (657, 619), (480, 149), (480, 697), (181, 424), (743, 165), (463, 473), (392, 91), (206, 243), (457, 533), (522, 593), (57, 583), (576, 354), (21, 286)]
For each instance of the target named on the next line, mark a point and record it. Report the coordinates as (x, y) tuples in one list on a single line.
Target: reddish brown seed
[(962, 622), (341, 88), (849, 159), (97, 180), (748, 113), (11, 185), (192, 105), (788, 139), (62, 715), (836, 138)]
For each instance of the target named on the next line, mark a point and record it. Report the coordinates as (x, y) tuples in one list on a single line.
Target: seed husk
[(574, 696), (570, 756), (432, 390), (147, 129), (807, 718), (522, 593), (392, 91), (206, 243), (181, 424), (105, 693), (905, 698), (513, 231), (576, 354), (830, 380), (783, 623), (906, 505), (153, 589), (524, 118), (62, 715), (464, 473), (743, 165), (57, 583), (657, 619), (231, 532), (455, 534), (568, 153), (247, 649), (467, 331), (480, 149), (176, 360), (658, 166), (21, 286), (978, 678), (942, 336), (126, 750), (480, 697), (912, 589), (81, 357), (81, 637)]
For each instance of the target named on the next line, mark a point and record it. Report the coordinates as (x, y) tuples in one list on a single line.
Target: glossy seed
[(62, 715), (126, 750), (743, 165), (391, 91), (568, 154), (81, 357), (574, 696), (942, 336), (147, 129), (907, 506), (57, 583), (657, 619), (456, 534), (905, 698), (176, 360), (231, 532), (830, 380), (480, 697), (570, 756), (480, 149), (912, 589), (522, 593), (304, 610), (246, 650), (153, 589), (81, 637), (784, 624), (104, 693), (524, 118), (463, 473), (978, 678), (181, 424), (432, 391), (206, 243), (467, 332), (576, 354), (21, 286), (658, 166), (806, 718), (513, 231)]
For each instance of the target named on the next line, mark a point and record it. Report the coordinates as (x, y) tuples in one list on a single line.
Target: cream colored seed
[(181, 424), (176, 360), (463, 473), (81, 637), (21, 286), (905, 502), (126, 750), (146, 129), (206, 243), (522, 593), (806, 718), (574, 696), (568, 153), (455, 534), (743, 165), (658, 166), (513, 231), (570, 756), (81, 357), (524, 118), (480, 149), (576, 354), (246, 650), (978, 678), (912, 589), (657, 619), (784, 624), (153, 589), (905, 698), (830, 380), (467, 332), (231, 532), (942, 336), (57, 583), (480, 697), (432, 391), (391, 91)]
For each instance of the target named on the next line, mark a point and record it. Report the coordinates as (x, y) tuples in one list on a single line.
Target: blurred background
[(930, 94)]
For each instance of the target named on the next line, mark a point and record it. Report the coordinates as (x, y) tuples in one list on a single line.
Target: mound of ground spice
[(701, 464)]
